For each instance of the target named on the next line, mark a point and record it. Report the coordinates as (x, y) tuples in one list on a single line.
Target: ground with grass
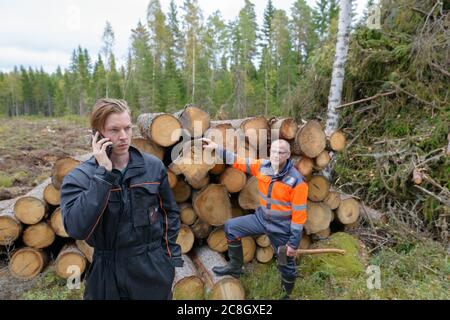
[(29, 146), (411, 267)]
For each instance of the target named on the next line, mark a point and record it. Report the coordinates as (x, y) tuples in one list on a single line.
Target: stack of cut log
[(31, 228), (208, 194)]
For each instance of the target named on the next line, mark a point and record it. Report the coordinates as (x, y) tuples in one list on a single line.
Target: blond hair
[(103, 108)]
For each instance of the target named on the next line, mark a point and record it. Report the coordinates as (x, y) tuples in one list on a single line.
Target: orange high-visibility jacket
[(281, 196)]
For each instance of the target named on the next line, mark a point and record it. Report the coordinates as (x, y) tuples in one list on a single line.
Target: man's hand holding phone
[(99, 147)]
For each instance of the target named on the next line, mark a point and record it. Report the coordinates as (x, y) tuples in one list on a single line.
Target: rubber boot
[(287, 289), (234, 266)]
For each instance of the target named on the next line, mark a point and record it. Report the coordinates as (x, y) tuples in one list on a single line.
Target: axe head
[(282, 257)]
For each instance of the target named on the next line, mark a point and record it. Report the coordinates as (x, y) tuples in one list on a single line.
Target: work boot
[(234, 266), (287, 289)]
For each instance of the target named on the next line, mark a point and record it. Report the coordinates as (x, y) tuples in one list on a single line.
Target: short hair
[(103, 108), (284, 142)]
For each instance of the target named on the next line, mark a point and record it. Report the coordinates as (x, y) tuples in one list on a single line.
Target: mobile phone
[(100, 136)]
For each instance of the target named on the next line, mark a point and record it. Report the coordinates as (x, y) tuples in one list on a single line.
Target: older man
[(283, 193)]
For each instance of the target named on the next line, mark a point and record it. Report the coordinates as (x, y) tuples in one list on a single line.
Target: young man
[(282, 214), (120, 203)]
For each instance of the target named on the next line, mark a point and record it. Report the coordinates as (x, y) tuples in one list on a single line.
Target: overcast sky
[(45, 32)]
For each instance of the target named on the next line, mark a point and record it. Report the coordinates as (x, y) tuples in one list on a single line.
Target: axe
[(282, 257)]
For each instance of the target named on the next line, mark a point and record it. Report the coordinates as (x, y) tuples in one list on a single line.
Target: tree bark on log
[(193, 119), (87, 250), (163, 129), (187, 284), (217, 287), (287, 127)]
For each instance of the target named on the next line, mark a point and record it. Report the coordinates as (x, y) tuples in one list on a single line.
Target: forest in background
[(395, 111), (180, 57)]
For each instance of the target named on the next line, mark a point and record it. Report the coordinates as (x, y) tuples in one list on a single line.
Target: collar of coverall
[(268, 170)]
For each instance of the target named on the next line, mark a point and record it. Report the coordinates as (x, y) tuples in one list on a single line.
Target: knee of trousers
[(230, 230)]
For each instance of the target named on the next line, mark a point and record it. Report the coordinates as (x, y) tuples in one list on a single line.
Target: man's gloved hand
[(177, 262)]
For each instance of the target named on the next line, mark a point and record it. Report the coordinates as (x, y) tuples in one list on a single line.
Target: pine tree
[(302, 32), (284, 60), (266, 71), (99, 79), (320, 16), (27, 91), (141, 68), (176, 39), (158, 43), (192, 21)]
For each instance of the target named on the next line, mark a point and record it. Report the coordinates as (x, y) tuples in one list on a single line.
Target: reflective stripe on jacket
[(283, 195)]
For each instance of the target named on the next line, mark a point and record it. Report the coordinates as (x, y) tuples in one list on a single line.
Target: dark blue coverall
[(132, 221)]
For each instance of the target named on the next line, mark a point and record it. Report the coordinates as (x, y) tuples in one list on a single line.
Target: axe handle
[(318, 251)]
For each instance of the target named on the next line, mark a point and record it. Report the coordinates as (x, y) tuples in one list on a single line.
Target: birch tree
[(337, 77)]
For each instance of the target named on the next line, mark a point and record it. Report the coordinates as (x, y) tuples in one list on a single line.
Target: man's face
[(118, 129), (279, 154)]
